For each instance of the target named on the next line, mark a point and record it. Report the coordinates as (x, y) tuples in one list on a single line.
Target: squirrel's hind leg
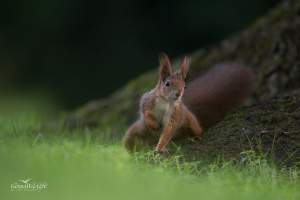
[(136, 136), (192, 127)]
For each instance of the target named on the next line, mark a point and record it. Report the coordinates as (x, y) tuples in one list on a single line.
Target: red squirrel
[(174, 112)]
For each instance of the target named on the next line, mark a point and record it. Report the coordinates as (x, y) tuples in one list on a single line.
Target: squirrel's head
[(171, 85)]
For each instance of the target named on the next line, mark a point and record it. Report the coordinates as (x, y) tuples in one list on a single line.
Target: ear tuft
[(185, 67), (164, 66)]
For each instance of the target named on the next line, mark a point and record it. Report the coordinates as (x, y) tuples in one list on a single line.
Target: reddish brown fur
[(193, 128), (208, 97), (213, 95), (185, 67), (148, 116), (169, 131), (164, 66)]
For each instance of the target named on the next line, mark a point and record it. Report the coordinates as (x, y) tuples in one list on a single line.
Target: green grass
[(83, 165)]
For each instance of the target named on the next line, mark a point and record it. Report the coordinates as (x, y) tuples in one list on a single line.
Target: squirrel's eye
[(185, 87), (167, 83)]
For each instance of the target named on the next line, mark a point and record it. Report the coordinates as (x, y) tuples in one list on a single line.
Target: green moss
[(287, 105), (241, 125)]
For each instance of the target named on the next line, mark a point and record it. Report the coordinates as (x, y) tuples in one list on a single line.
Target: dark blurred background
[(76, 51)]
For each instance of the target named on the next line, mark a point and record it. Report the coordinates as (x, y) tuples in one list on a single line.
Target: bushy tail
[(213, 95)]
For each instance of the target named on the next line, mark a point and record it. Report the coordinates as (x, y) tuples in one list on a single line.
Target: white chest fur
[(163, 110)]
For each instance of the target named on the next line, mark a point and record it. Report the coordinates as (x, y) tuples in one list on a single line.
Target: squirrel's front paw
[(194, 138), (154, 126), (164, 150)]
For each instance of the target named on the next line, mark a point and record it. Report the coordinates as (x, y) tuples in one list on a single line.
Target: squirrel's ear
[(164, 66), (185, 67)]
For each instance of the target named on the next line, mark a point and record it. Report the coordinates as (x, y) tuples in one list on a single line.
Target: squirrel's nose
[(177, 94)]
